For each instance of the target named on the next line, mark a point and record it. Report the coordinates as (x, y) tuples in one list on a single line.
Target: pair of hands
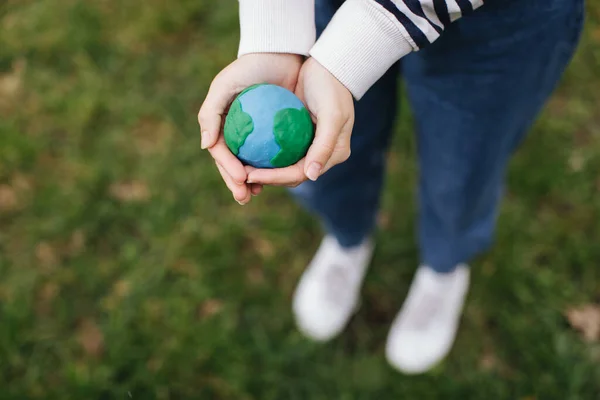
[(328, 101)]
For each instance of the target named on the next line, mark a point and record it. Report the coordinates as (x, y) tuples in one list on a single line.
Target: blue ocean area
[(262, 103)]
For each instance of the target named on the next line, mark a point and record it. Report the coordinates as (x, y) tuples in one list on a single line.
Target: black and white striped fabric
[(424, 20)]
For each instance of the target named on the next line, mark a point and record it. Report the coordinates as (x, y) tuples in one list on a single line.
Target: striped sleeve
[(426, 19), (366, 37)]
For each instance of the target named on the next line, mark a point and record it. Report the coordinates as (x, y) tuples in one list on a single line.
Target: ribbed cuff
[(276, 26), (360, 44)]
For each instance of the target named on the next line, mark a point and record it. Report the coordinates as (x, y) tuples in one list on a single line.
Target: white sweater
[(362, 41)]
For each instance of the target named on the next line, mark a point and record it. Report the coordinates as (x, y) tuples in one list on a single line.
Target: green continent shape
[(238, 126), (293, 131)]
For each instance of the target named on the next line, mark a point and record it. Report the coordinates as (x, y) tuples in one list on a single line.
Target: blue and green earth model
[(267, 126)]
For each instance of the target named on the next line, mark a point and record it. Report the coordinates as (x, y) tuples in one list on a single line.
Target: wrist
[(278, 68), (273, 61)]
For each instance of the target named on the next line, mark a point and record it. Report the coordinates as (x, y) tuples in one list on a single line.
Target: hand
[(332, 109), (250, 69)]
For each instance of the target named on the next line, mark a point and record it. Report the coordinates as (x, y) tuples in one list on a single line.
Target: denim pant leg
[(346, 198), (475, 93)]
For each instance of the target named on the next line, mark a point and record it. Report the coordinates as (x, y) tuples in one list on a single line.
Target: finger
[(289, 176), (329, 127), (248, 169), (211, 113), (224, 157), (256, 188), (342, 152), (241, 193)]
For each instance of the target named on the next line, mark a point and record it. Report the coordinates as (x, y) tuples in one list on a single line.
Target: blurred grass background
[(128, 271)]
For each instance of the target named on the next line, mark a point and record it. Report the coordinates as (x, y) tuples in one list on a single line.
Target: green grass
[(127, 270)]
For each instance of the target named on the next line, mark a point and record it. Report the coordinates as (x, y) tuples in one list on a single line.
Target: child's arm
[(362, 41), (366, 37)]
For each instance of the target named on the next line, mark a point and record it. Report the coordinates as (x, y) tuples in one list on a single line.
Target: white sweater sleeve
[(366, 37), (276, 26)]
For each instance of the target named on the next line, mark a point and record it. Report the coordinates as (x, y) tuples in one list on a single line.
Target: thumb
[(211, 113), (329, 128)]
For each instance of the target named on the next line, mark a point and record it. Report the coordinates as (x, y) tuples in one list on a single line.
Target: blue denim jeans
[(475, 93)]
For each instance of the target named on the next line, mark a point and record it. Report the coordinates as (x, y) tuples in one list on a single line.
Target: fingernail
[(240, 203), (204, 140), (250, 181), (313, 171)]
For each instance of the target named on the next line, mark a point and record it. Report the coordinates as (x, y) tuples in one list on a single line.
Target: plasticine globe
[(267, 126)]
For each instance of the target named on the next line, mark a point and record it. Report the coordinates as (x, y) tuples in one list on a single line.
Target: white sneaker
[(329, 289), (424, 329)]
